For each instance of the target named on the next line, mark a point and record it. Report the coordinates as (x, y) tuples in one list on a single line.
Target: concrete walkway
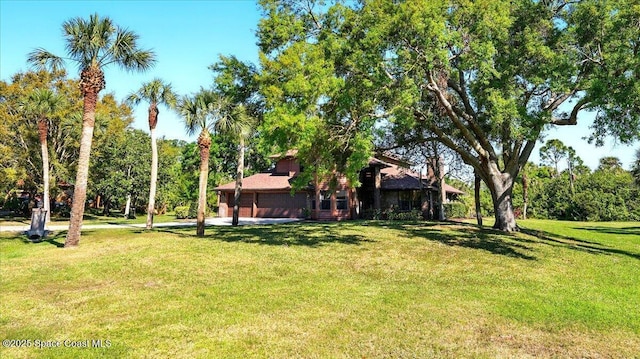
[(190, 223)]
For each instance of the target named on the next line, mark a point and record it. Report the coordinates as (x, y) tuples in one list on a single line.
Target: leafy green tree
[(635, 168), (170, 174), (608, 194), (317, 97), (610, 163), (20, 149), (553, 152), (237, 81), (200, 113), (42, 104), (118, 169), (497, 73), (92, 44), (155, 93)]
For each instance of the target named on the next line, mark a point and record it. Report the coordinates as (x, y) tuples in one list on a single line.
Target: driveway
[(190, 223)]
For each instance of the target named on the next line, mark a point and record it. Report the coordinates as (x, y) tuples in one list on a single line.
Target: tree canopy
[(485, 77)]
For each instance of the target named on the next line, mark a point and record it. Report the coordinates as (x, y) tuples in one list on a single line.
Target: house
[(387, 182)]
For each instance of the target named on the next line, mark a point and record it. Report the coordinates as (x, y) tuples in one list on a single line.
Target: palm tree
[(238, 126), (42, 104), (200, 114), (93, 44), (155, 93)]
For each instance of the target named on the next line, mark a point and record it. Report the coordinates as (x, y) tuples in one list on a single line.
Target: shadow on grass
[(466, 236), (289, 234), (54, 238), (608, 230), (578, 244)]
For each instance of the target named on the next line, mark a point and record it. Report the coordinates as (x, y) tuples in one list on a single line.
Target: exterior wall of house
[(343, 203), (287, 165), (336, 205)]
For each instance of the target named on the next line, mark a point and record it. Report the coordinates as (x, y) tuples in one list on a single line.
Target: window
[(341, 200), (325, 200), (409, 200)]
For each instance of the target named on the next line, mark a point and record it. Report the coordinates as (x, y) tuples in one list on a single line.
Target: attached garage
[(266, 195), (280, 205), (267, 205)]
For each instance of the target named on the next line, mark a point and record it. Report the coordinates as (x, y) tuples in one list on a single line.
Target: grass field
[(91, 218), (328, 290)]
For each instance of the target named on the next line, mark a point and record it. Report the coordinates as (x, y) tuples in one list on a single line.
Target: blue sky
[(187, 37)]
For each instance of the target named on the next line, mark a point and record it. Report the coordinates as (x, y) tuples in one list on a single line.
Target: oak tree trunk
[(238, 191), (441, 192), (501, 188)]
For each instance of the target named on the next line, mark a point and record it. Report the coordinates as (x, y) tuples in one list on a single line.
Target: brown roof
[(262, 182), (398, 178), (393, 178), (289, 153), (376, 162)]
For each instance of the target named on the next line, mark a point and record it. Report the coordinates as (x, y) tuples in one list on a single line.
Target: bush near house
[(455, 210), (182, 212)]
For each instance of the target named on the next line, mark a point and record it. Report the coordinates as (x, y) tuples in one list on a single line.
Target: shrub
[(455, 210), (372, 214), (182, 212), (413, 215)]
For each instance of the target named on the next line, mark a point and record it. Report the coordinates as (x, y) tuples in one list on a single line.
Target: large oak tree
[(487, 77)]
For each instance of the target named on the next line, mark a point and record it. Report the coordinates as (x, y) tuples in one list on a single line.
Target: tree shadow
[(180, 231), (467, 236), (576, 243), (309, 234), (54, 238), (608, 230)]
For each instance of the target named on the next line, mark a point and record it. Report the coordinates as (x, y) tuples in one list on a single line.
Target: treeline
[(608, 193), (120, 162)]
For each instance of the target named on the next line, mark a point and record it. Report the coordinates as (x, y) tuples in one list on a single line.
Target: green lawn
[(92, 218), (329, 290)]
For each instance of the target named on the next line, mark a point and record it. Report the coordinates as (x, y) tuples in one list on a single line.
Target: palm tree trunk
[(239, 175), (42, 128), (127, 207), (204, 142), (154, 179), (82, 176)]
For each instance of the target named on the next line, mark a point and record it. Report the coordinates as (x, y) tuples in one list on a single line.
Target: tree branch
[(573, 117), (451, 113)]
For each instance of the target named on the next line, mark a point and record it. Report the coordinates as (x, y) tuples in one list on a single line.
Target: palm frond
[(133, 99), (42, 59), (235, 122), (125, 52), (155, 91), (189, 111)]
